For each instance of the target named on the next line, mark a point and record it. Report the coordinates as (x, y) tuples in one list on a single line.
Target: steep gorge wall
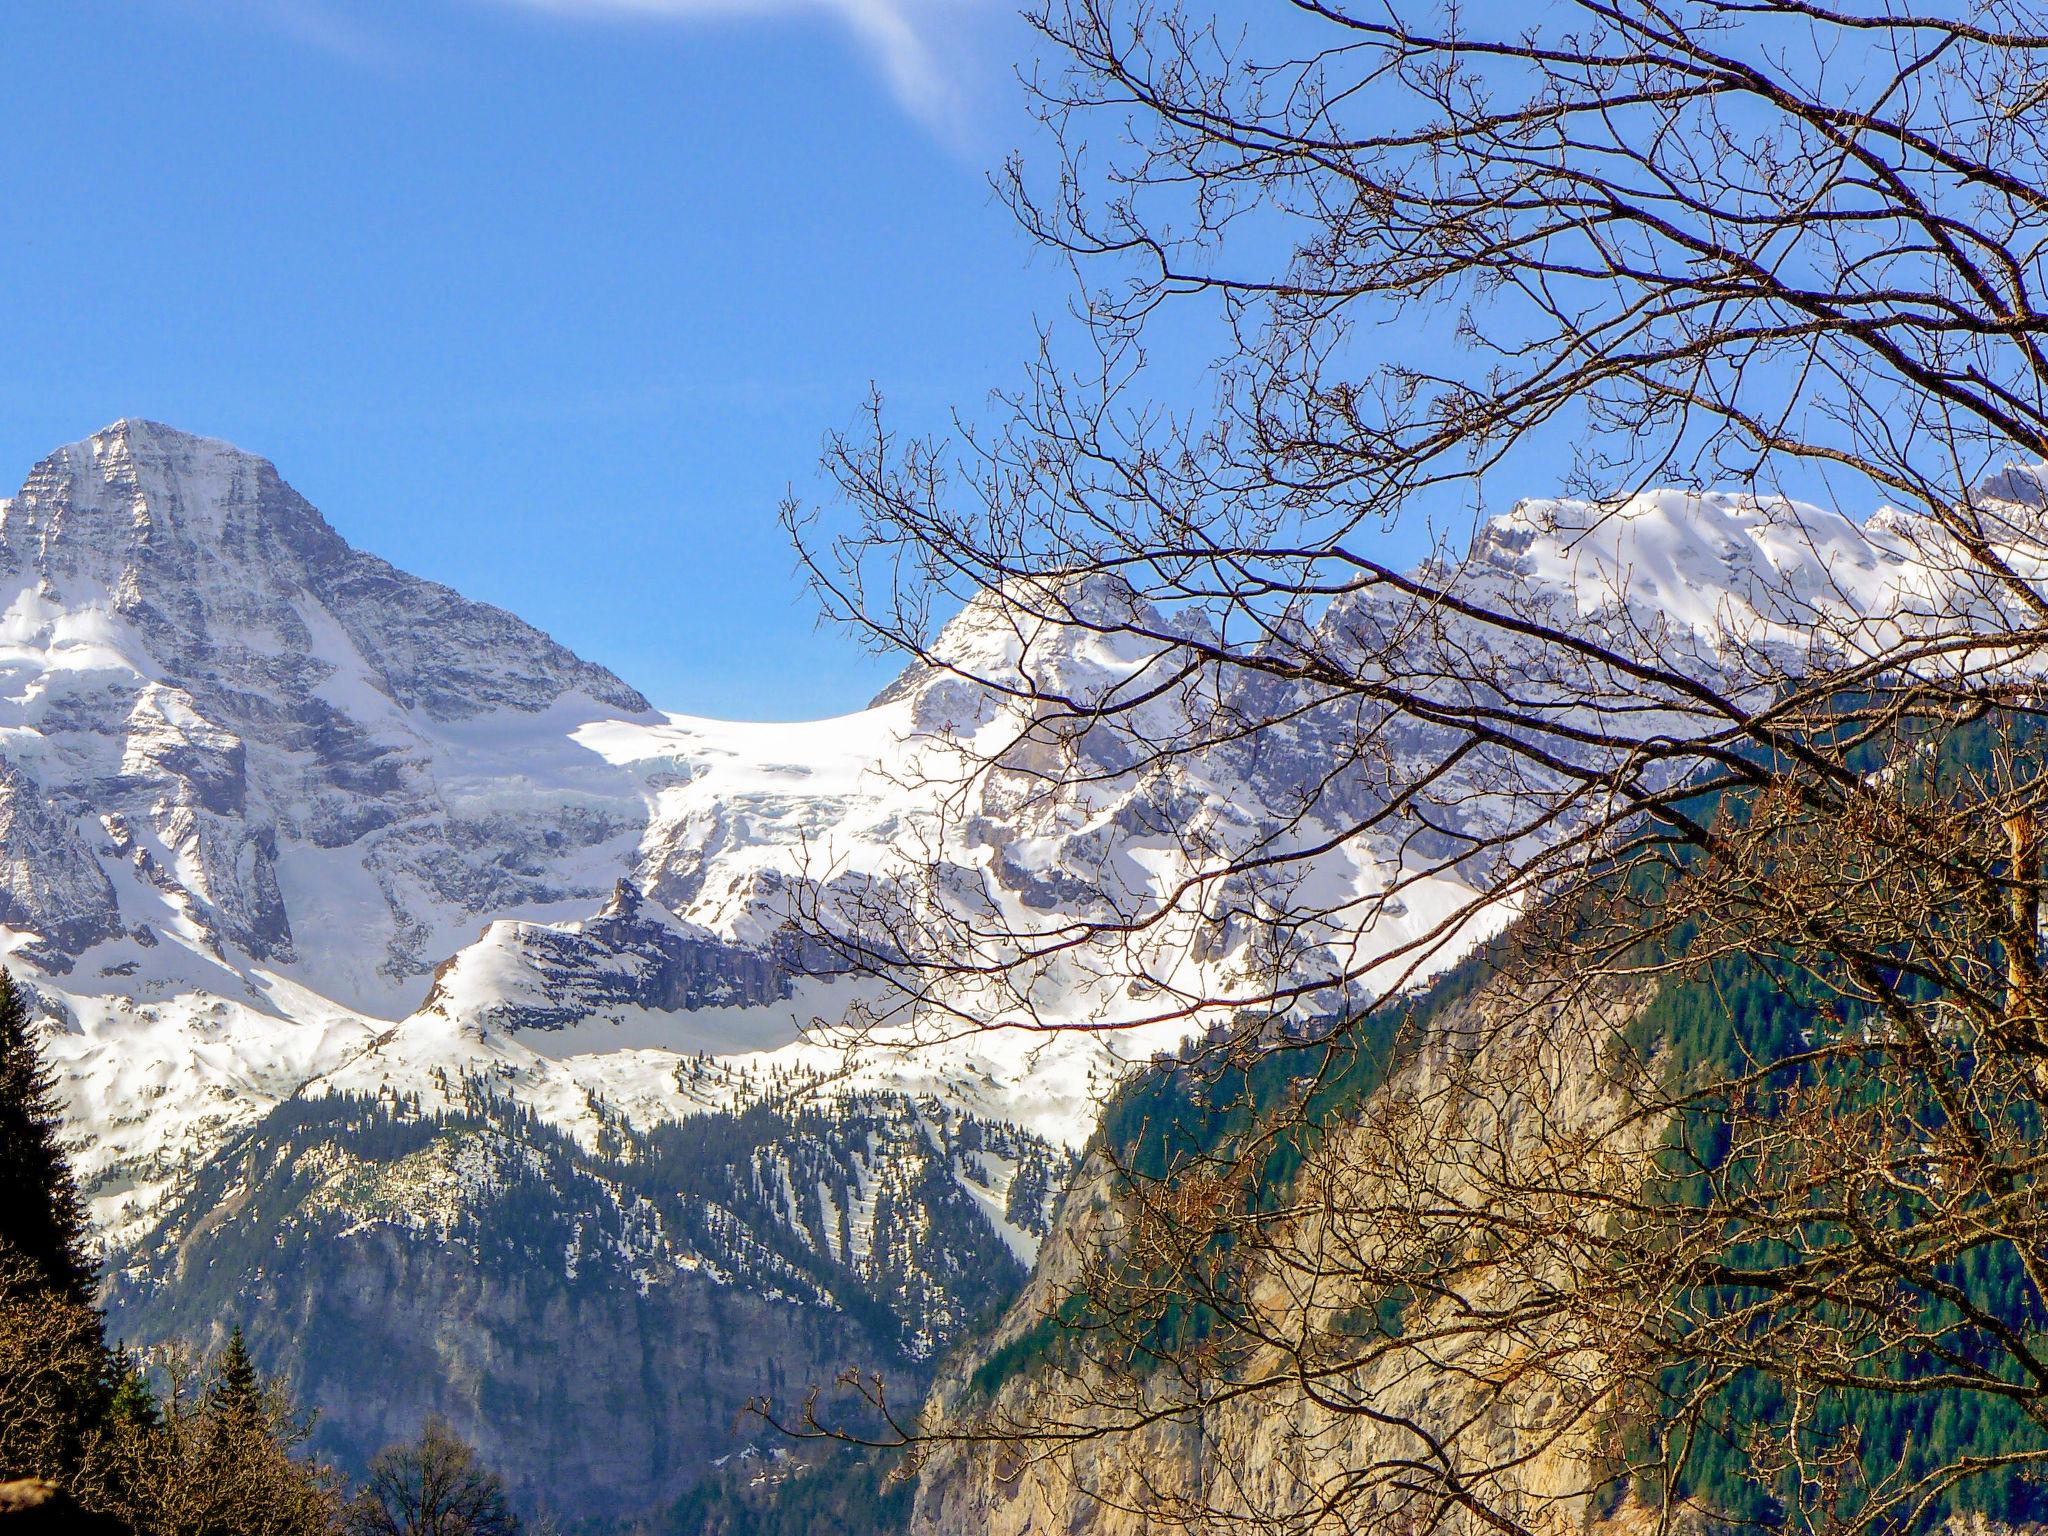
[(1336, 1420)]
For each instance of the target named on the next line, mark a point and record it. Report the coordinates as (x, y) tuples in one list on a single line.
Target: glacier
[(277, 818)]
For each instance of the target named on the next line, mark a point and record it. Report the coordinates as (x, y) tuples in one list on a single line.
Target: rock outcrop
[(281, 824), (1313, 1437)]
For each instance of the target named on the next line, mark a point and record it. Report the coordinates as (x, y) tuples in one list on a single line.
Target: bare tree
[(52, 1373), (432, 1487), (1784, 257)]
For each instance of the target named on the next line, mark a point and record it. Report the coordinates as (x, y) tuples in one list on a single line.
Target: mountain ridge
[(207, 759), (281, 825)]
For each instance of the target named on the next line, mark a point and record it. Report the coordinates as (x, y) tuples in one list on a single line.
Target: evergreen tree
[(134, 1404), (56, 1375), (42, 1218), (236, 1395), (217, 1462), (224, 1456)]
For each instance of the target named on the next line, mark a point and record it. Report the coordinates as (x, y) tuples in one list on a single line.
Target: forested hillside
[(1258, 1149), (397, 1263)]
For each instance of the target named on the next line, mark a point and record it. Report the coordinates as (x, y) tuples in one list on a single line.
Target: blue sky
[(547, 299)]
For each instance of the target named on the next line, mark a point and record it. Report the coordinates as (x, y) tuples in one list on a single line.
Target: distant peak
[(2024, 485), (211, 545), (139, 437), (140, 480), (143, 427)]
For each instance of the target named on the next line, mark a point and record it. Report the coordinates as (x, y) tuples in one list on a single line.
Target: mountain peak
[(140, 483), (158, 452), (139, 434), (209, 560)]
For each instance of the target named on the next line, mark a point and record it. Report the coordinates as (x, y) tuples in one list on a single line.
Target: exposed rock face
[(200, 665), (632, 955), (50, 884), (597, 1322), (247, 765), (229, 576), (1515, 1412)]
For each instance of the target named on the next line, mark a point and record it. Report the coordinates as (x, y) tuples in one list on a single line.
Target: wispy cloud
[(906, 38)]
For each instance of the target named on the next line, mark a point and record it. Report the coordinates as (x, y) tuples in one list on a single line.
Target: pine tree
[(42, 1218), (236, 1394), (56, 1374), (228, 1456), (82, 1415), (134, 1403)]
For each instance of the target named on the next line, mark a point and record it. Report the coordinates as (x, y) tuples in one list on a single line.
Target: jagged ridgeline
[(476, 1263)]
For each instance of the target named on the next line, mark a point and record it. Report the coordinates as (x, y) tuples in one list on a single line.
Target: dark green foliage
[(1195, 1107), (841, 1492), (42, 1218), (1754, 1016), (57, 1378), (1032, 1348), (134, 1401), (728, 1179), (219, 1454), (1738, 1014), (1032, 1194), (234, 1394), (721, 1184), (545, 1198), (1256, 1114), (716, 1219)]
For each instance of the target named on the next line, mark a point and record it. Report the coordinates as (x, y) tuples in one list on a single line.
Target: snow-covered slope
[(256, 784), (276, 818), (348, 899)]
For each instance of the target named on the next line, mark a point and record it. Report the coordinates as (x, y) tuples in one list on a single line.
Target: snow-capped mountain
[(274, 815), (282, 826), (272, 811), (257, 784)]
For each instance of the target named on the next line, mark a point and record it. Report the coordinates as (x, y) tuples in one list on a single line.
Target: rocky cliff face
[(202, 665), (633, 955), (281, 825), (1311, 1429)]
